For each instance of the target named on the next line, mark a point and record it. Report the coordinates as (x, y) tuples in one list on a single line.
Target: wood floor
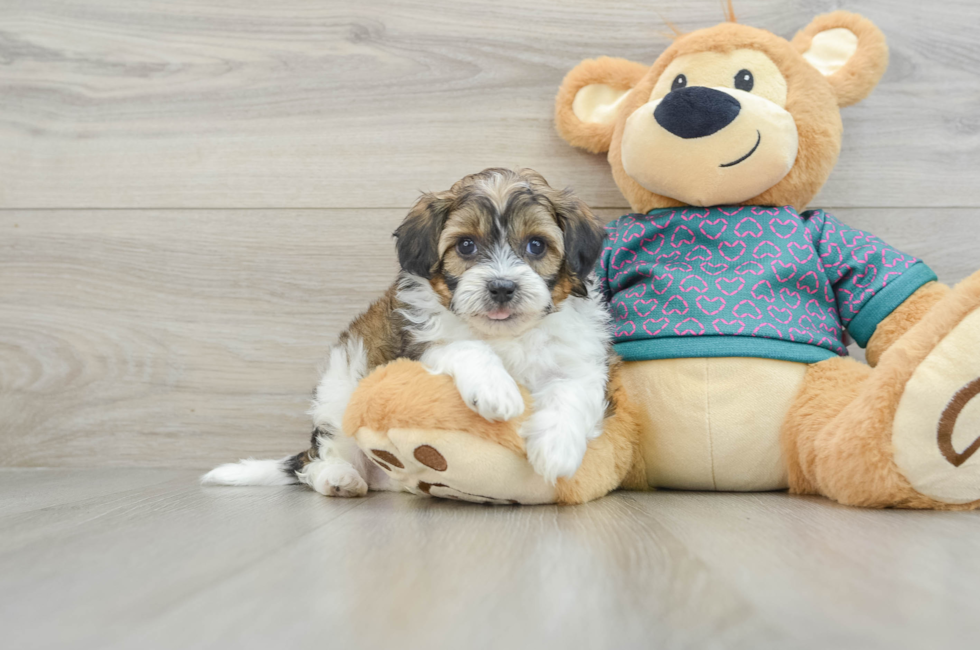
[(147, 558)]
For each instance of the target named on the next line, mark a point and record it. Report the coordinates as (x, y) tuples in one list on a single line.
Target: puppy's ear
[(418, 235), (584, 237), (589, 100)]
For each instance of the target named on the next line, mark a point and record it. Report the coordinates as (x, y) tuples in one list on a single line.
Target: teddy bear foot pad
[(936, 434), (454, 465)]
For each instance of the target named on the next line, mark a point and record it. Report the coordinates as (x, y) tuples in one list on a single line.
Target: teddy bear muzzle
[(709, 146)]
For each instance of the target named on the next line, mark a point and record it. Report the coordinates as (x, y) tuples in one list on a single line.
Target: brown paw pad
[(425, 487), (431, 458), (947, 424), (389, 458)]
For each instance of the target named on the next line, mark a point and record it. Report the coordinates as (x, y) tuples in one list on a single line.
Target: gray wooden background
[(197, 195)]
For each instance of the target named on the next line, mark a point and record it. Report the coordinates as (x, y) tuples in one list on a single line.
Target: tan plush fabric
[(903, 318), (702, 429), (812, 99), (454, 464), (839, 435), (416, 427), (618, 74), (857, 77), (404, 395)]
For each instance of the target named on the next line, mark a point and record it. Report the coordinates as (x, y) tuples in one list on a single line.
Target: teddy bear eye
[(744, 80), (680, 81)]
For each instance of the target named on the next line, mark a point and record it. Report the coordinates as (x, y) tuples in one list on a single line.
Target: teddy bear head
[(728, 115)]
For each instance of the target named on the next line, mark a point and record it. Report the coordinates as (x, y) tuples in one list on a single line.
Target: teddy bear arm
[(896, 324)]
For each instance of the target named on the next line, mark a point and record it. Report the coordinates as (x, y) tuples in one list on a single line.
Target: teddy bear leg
[(612, 460), (904, 434), (415, 427)]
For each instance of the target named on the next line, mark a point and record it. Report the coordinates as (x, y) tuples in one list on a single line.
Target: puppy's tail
[(254, 472)]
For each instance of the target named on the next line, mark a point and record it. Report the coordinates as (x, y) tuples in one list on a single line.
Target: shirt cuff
[(883, 303)]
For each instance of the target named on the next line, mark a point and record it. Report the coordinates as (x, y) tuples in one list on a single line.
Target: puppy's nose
[(501, 290), (696, 111)]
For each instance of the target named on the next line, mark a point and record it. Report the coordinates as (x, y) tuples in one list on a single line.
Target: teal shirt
[(748, 282)]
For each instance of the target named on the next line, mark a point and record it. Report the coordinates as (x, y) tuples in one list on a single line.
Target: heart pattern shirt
[(748, 281)]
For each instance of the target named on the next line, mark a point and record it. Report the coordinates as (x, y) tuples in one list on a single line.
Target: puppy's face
[(501, 249)]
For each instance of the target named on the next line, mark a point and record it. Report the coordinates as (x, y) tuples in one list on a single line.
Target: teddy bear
[(732, 302)]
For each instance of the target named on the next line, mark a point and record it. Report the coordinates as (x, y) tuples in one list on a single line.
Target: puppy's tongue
[(499, 314)]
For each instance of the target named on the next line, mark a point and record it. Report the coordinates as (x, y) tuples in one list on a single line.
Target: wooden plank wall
[(197, 195)]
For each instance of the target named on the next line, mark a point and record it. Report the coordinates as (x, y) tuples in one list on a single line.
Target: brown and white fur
[(494, 291)]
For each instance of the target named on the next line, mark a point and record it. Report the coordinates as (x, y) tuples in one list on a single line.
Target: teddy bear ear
[(848, 50), (589, 100)]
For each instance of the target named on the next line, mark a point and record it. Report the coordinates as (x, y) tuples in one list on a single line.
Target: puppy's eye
[(744, 80), (466, 246), (535, 246), (680, 81)]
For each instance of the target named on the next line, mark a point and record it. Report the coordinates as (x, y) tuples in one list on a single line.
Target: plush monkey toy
[(731, 302)]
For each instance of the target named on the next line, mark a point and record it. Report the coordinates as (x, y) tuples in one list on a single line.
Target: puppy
[(494, 291)]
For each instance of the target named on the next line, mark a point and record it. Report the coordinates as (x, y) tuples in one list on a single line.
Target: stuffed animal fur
[(731, 301)]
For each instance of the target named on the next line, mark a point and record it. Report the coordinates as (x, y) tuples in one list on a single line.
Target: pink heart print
[(790, 297), (714, 269), (633, 231), (800, 253), (748, 227), (731, 251), (620, 310), (654, 326), (800, 336), (855, 235), (750, 268), (646, 307), (689, 327), (698, 253), (621, 258), (772, 332), (864, 253), (766, 249), (729, 323), (676, 305), (890, 258), (813, 308), (710, 306), (625, 329), (782, 228), (746, 309), (780, 314), (832, 256), (652, 245), (866, 279), (808, 282), (682, 236), (693, 283), (690, 213), (730, 286), (713, 228), (762, 290), (636, 291), (661, 281), (784, 272)]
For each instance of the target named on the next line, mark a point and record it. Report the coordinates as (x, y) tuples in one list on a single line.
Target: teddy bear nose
[(696, 111)]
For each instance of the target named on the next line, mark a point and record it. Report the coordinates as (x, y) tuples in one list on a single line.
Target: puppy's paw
[(336, 479), (554, 452), (492, 394)]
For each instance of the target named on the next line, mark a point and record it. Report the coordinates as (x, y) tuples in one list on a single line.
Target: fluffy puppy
[(494, 291)]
